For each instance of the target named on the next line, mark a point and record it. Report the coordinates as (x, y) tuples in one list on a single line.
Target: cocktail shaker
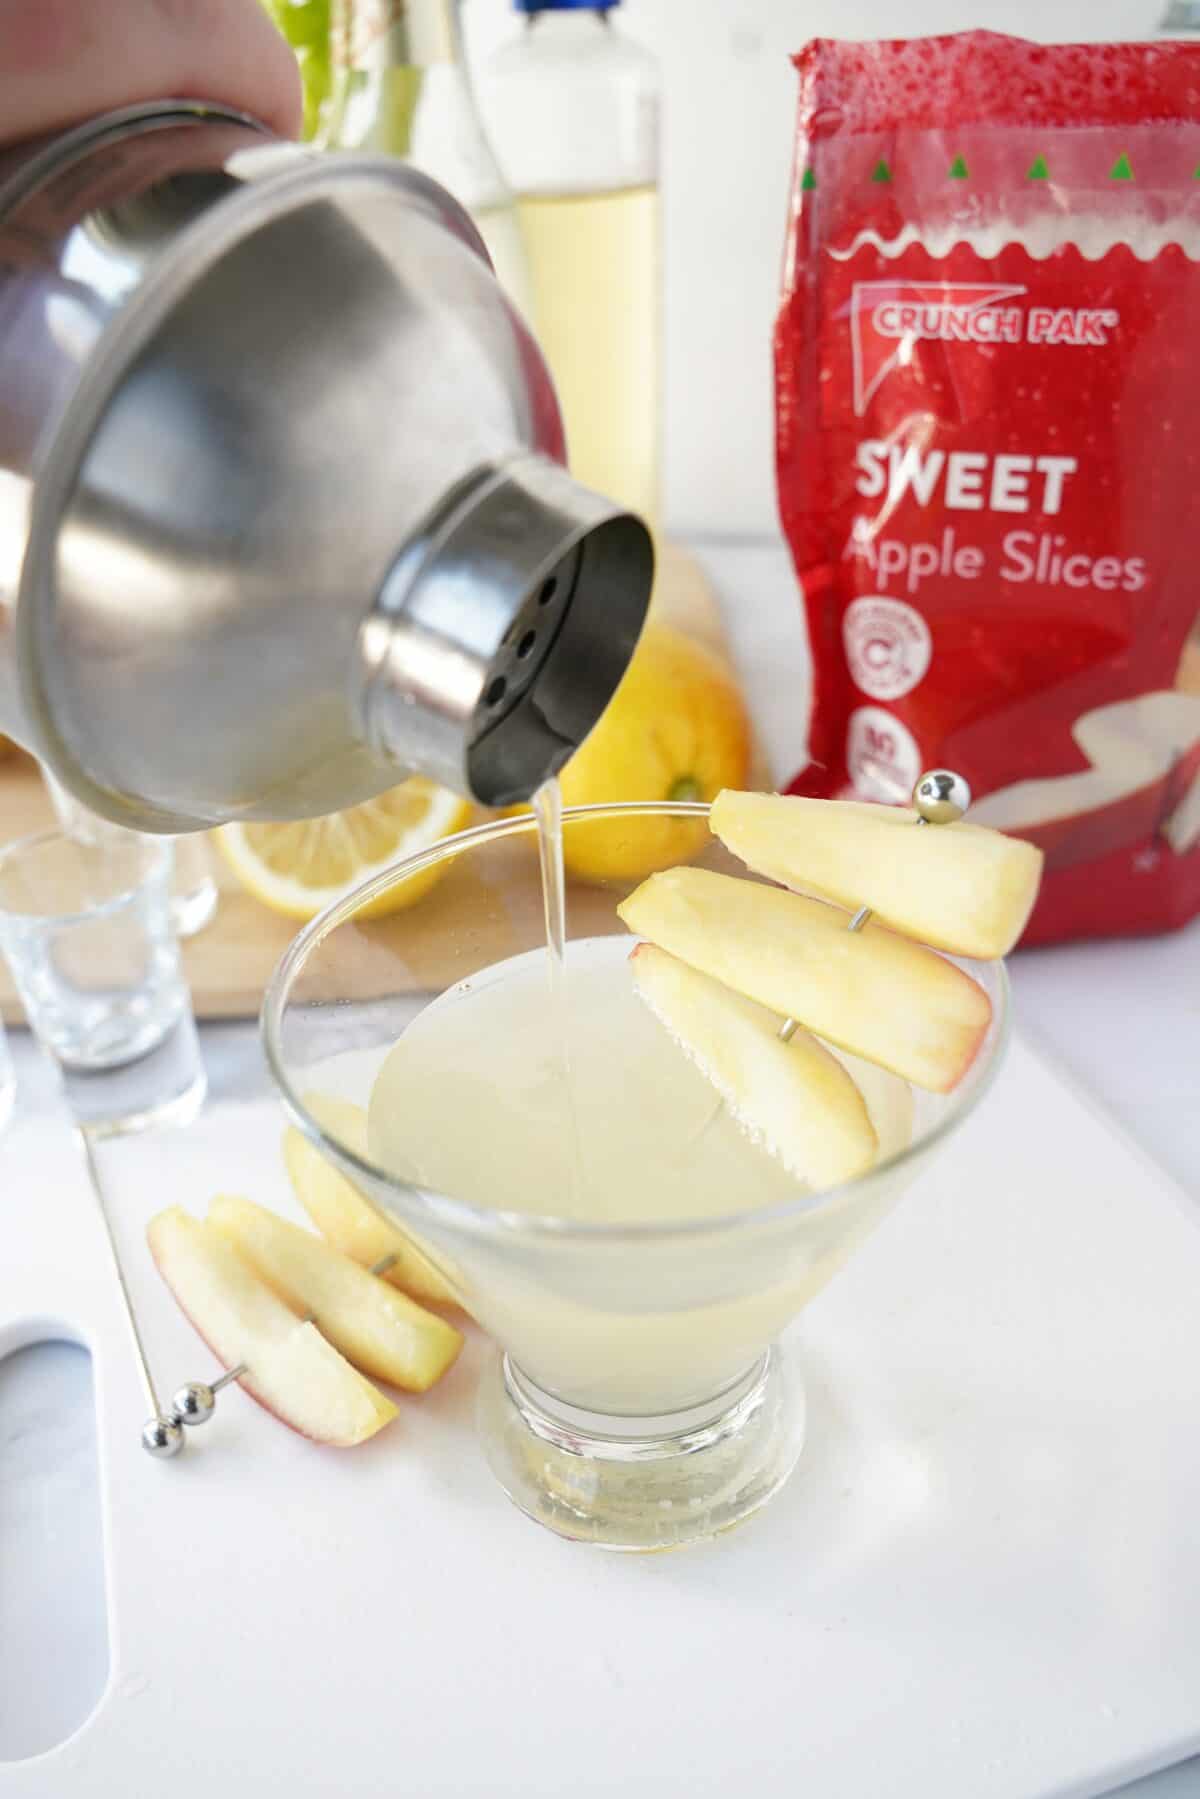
[(283, 510)]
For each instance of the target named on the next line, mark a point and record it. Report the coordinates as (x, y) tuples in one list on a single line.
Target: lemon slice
[(299, 867)]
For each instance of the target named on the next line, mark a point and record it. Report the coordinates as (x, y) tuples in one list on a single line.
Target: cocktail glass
[(638, 1397)]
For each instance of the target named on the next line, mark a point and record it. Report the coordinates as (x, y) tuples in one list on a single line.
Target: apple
[(870, 991), (343, 1215), (888, 1099), (959, 887), (379, 1329), (795, 1095), (1141, 752), (290, 1369), (1182, 828)]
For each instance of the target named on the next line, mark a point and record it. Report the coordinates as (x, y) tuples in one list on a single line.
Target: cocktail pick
[(940, 797), (196, 1401), (161, 1433)]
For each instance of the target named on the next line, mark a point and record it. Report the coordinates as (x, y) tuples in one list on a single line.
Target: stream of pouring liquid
[(547, 809)]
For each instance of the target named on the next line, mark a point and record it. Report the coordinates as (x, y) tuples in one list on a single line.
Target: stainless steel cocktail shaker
[(283, 514)]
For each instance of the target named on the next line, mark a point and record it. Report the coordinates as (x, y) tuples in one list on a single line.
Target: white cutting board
[(983, 1581)]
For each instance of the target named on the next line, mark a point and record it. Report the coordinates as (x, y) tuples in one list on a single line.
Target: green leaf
[(1038, 170), (809, 180), (883, 173), (1122, 169), (959, 170)]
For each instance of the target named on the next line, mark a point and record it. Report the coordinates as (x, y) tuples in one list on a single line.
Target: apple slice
[(796, 1096), (291, 1369), (874, 993), (343, 1215), (1140, 752), (381, 1331), (959, 887), (1182, 828), (888, 1099)]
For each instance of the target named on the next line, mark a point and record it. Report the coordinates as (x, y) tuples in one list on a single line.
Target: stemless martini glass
[(638, 1397)]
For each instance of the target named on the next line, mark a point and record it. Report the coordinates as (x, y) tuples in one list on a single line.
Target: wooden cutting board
[(230, 962)]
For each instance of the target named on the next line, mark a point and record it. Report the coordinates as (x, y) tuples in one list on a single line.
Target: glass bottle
[(401, 87), (574, 109)]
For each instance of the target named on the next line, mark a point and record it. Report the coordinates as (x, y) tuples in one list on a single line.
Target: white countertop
[(1124, 1018)]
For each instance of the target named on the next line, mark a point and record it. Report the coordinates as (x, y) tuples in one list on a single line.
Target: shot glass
[(86, 930), (193, 884), (8, 1081)]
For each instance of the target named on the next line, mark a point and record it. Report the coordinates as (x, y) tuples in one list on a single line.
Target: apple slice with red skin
[(796, 1096), (870, 991), (957, 886), (343, 1215), (1141, 755), (379, 1329), (290, 1369)]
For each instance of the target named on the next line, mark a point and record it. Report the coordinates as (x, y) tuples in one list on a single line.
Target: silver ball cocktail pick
[(196, 1401), (193, 1403), (162, 1437), (940, 797)]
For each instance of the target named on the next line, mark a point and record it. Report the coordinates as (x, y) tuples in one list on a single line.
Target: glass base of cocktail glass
[(634, 1254), (643, 1483)]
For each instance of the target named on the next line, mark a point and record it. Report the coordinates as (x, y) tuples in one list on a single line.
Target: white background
[(729, 93)]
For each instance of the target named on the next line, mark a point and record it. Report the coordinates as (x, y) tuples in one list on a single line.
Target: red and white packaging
[(988, 405)]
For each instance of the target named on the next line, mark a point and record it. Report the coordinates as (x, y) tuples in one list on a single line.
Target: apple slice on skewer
[(376, 1327), (344, 1217), (888, 1099), (796, 1096), (959, 887), (291, 1370), (870, 991)]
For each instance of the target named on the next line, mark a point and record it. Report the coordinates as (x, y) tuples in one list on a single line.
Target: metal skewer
[(941, 798), (161, 1433), (196, 1401)]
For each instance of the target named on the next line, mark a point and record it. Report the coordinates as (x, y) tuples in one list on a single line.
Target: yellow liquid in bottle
[(593, 261)]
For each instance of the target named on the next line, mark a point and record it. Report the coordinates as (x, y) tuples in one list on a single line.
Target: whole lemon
[(676, 729)]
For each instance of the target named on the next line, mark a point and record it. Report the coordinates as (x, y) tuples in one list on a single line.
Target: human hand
[(62, 61)]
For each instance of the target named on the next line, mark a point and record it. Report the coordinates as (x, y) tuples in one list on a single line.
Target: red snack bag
[(988, 402)]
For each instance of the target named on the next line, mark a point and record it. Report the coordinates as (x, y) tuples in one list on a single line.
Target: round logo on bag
[(888, 646), (883, 758)]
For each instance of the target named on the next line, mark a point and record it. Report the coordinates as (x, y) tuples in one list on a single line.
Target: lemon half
[(299, 867)]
